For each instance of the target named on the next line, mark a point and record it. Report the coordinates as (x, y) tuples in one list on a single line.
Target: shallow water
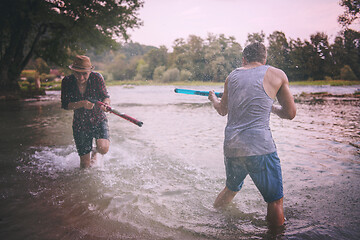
[(159, 181)]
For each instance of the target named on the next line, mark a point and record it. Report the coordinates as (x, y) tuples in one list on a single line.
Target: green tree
[(211, 59), (310, 60), (278, 51), (233, 54), (156, 57), (158, 73), (123, 63), (352, 50), (351, 14), (299, 55), (171, 75), (178, 56), (117, 67), (132, 49), (41, 66), (195, 55), (255, 37), (143, 71), (214, 58), (321, 56), (346, 73), (351, 37), (338, 52), (54, 29), (221, 56), (185, 75)]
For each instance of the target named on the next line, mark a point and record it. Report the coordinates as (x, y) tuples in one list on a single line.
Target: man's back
[(273, 83), (247, 132)]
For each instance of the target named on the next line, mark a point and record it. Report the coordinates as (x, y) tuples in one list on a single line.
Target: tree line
[(213, 58), (57, 30)]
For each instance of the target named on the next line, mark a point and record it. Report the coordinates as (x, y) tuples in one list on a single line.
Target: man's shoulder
[(275, 70), (276, 73)]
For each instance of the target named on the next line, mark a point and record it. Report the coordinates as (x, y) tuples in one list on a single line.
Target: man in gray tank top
[(249, 149)]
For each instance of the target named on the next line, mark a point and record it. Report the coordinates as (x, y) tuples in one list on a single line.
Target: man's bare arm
[(287, 108), (221, 106)]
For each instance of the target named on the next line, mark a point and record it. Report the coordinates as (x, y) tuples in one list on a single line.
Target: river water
[(159, 181)]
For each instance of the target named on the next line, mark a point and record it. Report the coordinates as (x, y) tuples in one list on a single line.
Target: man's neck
[(252, 65)]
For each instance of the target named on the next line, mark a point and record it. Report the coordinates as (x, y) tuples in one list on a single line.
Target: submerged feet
[(93, 159), (88, 160), (224, 198)]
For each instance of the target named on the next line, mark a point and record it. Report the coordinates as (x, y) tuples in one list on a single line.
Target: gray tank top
[(247, 132)]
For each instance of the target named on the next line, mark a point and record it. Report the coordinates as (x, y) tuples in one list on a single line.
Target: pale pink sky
[(167, 20)]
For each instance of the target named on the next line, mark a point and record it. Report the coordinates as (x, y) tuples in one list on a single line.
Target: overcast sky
[(166, 20)]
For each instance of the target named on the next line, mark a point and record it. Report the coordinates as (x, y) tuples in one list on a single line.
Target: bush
[(171, 75), (346, 73), (31, 80), (108, 76), (139, 77), (47, 77), (185, 75), (28, 73), (145, 71), (158, 73)]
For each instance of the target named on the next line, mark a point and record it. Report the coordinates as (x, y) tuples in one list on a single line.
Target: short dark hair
[(255, 52)]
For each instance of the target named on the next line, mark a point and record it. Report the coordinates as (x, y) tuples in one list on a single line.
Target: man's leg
[(224, 197), (265, 171), (275, 213), (235, 175)]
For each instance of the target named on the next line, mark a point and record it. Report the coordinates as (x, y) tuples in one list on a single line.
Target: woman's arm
[(80, 104)]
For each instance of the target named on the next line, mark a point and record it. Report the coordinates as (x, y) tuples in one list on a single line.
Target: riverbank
[(22, 94), (31, 92), (321, 97), (200, 83), (57, 85), (326, 82)]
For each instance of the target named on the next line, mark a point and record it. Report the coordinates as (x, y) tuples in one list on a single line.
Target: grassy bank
[(325, 82), (199, 83), (57, 85), (28, 90), (155, 83)]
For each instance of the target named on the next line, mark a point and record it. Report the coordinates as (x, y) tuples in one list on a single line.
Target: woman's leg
[(85, 161), (102, 146)]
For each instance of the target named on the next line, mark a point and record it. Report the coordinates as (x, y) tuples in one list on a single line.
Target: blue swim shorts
[(264, 170), (84, 139)]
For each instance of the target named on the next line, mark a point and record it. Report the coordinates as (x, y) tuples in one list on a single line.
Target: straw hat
[(81, 64)]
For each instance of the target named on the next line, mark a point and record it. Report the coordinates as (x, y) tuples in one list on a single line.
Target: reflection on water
[(160, 181)]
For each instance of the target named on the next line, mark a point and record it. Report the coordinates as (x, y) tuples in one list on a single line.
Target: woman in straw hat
[(89, 120)]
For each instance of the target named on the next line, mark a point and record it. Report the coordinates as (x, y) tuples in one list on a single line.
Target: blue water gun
[(195, 92)]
